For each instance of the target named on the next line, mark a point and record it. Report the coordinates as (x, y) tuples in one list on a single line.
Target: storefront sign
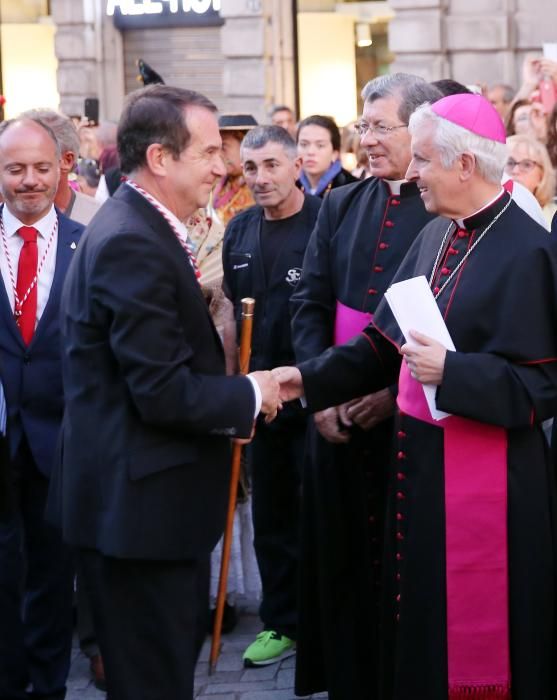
[(163, 13)]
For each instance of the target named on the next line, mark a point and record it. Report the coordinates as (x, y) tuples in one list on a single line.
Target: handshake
[(278, 385)]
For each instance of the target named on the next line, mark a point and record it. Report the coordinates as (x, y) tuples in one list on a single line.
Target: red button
[(437, 290), (397, 617), (401, 434), (399, 536), (383, 246), (398, 577), (399, 516), (400, 476), (401, 455), (445, 270), (399, 556), (395, 202), (453, 251), (378, 268), (398, 598), (389, 224), (400, 496), (372, 291), (462, 234)]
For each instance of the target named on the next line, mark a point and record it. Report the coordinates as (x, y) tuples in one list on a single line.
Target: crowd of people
[(397, 555)]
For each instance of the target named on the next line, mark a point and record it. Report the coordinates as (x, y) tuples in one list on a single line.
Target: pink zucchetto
[(472, 112)]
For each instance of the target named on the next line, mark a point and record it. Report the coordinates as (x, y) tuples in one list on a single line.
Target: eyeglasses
[(523, 165), (362, 129)]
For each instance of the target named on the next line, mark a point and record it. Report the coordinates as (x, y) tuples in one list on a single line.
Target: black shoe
[(229, 619)]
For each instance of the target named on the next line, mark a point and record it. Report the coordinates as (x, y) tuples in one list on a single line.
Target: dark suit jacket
[(31, 374), (145, 449)]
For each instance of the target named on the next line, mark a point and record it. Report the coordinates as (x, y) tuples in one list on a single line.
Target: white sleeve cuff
[(258, 396)]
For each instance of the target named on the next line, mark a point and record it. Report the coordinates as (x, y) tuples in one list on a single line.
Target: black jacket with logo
[(244, 276)]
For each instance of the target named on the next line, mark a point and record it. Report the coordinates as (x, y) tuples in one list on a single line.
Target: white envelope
[(414, 308)]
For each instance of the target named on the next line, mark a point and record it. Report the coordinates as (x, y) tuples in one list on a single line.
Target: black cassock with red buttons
[(501, 311)]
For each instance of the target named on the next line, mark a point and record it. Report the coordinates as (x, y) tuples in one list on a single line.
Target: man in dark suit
[(149, 412), (35, 567)]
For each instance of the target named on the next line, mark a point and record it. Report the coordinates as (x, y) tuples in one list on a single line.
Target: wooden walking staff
[(248, 305)]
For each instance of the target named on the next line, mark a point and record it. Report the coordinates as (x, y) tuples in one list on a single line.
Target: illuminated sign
[(163, 13)]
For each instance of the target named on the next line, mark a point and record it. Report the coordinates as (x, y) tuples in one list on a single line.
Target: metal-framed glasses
[(362, 128), (524, 166)]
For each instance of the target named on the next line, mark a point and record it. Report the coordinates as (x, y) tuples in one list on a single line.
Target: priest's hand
[(329, 424), (425, 358), (368, 411), (290, 380)]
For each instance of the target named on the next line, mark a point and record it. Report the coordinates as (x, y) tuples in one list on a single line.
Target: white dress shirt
[(182, 231), (46, 228)]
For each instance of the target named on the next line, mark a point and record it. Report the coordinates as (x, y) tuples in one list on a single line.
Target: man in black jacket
[(262, 257), (149, 414)]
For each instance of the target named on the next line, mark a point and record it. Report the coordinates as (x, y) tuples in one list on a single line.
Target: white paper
[(414, 308)]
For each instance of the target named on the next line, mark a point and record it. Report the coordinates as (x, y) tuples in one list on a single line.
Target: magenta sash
[(475, 463), (349, 322)]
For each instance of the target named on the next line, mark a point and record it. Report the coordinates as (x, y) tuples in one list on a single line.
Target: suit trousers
[(277, 453), (151, 621), (36, 581)]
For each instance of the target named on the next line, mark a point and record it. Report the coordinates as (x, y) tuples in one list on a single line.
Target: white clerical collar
[(394, 185), (180, 227), (44, 226), (460, 222)]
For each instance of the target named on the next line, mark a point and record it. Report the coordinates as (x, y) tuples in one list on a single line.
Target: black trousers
[(36, 581), (276, 461), (151, 620)]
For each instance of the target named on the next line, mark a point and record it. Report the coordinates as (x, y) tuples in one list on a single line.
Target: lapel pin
[(73, 245)]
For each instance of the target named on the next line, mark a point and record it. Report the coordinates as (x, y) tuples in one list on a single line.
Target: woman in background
[(319, 148), (528, 163)]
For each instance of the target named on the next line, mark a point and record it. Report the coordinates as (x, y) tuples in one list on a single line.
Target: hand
[(368, 411), (290, 380), (327, 423), (426, 360), (531, 72), (549, 68), (270, 389)]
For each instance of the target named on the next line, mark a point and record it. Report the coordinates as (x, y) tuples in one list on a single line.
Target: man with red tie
[(36, 247)]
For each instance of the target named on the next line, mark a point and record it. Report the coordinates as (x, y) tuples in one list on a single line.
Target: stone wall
[(89, 53), (469, 40), (257, 45)]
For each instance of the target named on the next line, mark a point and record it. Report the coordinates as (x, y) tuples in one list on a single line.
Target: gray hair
[(262, 135), (4, 126), (452, 140), (411, 89), (62, 126)]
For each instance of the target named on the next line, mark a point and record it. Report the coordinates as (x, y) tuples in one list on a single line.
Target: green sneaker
[(269, 648)]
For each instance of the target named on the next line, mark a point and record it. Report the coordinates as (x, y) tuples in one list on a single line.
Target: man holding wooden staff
[(142, 484), (263, 255)]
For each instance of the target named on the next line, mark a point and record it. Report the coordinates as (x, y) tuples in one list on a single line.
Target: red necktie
[(26, 273)]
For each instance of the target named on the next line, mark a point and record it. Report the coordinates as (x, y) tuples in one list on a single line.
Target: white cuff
[(258, 396)]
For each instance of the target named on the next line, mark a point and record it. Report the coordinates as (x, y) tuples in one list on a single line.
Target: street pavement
[(231, 681)]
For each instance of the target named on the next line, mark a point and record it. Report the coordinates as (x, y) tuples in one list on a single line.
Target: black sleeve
[(364, 365), (312, 306), (489, 388), (147, 339)]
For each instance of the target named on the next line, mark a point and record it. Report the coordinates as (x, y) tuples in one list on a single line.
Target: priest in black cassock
[(362, 234), (470, 567)]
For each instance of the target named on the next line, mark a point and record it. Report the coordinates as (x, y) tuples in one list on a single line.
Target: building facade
[(248, 55)]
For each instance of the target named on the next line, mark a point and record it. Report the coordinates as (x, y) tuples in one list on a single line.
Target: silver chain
[(466, 255)]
